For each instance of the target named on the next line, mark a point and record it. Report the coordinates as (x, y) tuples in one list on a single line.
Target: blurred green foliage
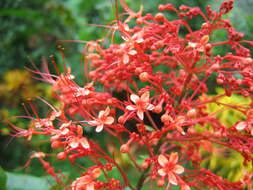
[(228, 164), (33, 29)]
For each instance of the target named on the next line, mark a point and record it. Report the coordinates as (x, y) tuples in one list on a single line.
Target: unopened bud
[(204, 39), (159, 17), (138, 70), (139, 21), (144, 76), (56, 144), (61, 156), (124, 148), (165, 118), (205, 25), (157, 109), (192, 113), (144, 165), (121, 119), (79, 130), (220, 81), (160, 182)]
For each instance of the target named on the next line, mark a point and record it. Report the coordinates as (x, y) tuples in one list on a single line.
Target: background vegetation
[(30, 32)]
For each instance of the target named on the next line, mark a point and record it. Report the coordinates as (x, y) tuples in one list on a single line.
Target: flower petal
[(132, 108), (109, 120), (84, 142), (162, 160), (241, 125), (134, 98), (173, 157), (150, 107), (178, 169), (74, 143), (125, 58), (161, 172), (101, 113), (185, 187), (99, 128), (172, 178), (94, 122), (107, 111), (90, 186), (145, 97), (140, 114), (64, 131)]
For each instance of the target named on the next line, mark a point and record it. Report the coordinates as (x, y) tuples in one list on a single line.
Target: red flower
[(86, 182), (103, 119), (170, 168), (141, 104)]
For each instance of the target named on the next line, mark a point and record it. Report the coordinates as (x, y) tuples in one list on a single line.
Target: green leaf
[(3, 179), (26, 182)]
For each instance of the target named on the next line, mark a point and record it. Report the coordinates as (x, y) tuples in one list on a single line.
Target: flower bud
[(159, 17), (192, 113), (160, 182), (158, 109), (61, 156), (144, 76), (204, 39), (204, 25), (121, 119), (56, 144), (124, 148), (165, 118), (138, 70), (144, 165)]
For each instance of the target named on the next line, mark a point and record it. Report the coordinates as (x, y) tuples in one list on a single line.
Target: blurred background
[(30, 32)]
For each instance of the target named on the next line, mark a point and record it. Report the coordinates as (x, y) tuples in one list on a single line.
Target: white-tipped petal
[(94, 122), (172, 178), (178, 169), (131, 108), (161, 172), (162, 160), (134, 98), (101, 113), (84, 142), (74, 144), (173, 157), (140, 114), (241, 125), (145, 97), (64, 131), (107, 111), (125, 58), (90, 186), (150, 107), (99, 128), (109, 120)]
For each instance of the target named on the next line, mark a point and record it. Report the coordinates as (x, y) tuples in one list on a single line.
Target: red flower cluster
[(162, 66)]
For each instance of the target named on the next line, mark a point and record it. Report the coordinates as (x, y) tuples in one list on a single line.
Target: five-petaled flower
[(141, 104), (103, 119), (170, 168), (86, 182)]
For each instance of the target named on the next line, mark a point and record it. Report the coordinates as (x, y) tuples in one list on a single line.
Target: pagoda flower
[(141, 104), (170, 168), (103, 119), (86, 182)]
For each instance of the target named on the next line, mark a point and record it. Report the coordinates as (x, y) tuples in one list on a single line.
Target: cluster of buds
[(162, 72)]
